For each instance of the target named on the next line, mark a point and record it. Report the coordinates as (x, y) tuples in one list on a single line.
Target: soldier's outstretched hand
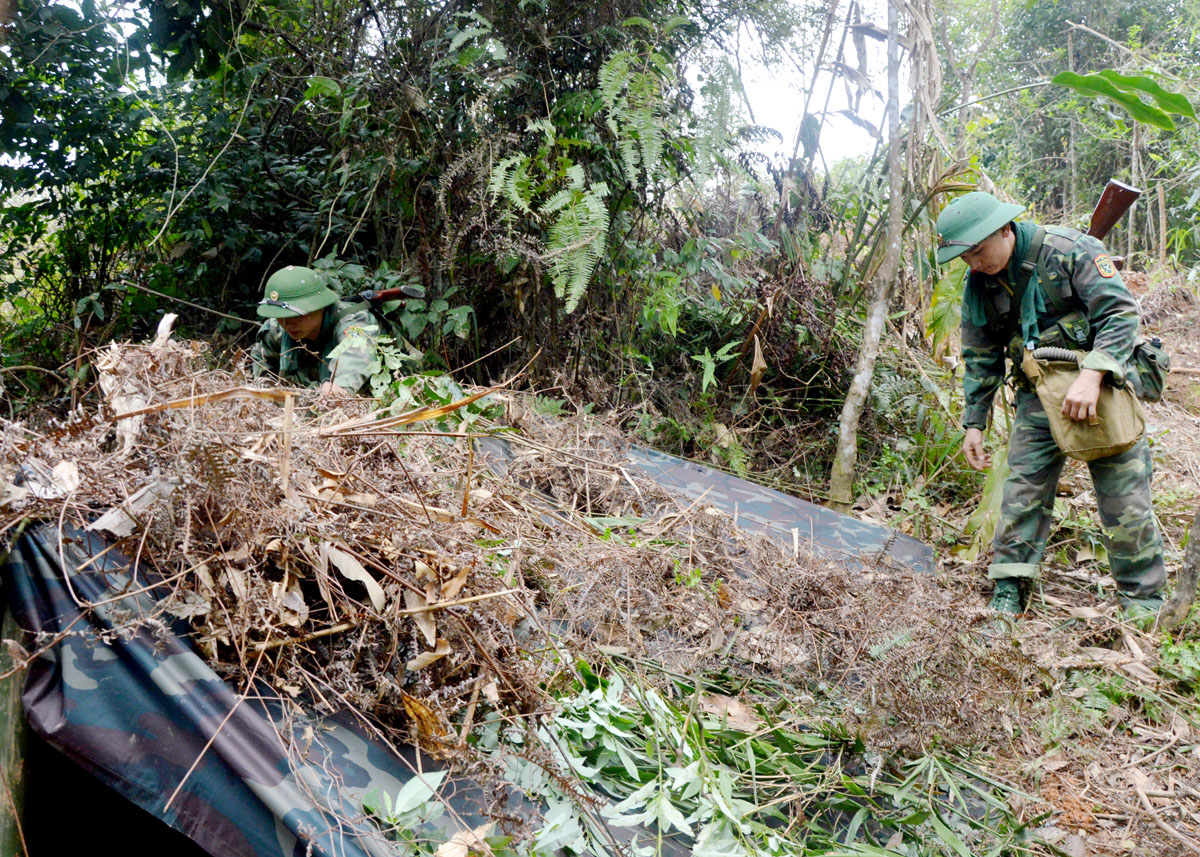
[(333, 391), (973, 449)]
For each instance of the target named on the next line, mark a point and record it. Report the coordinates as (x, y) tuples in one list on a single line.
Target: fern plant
[(549, 190), (578, 229), (631, 86), (554, 191)]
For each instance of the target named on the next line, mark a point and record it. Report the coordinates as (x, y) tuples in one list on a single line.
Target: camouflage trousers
[(1122, 483)]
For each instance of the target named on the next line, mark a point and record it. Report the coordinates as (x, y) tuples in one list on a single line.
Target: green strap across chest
[(1029, 264), (1053, 295)]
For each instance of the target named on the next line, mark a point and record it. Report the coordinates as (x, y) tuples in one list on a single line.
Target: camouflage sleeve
[(1112, 311), (268, 343), (354, 358), (983, 373)]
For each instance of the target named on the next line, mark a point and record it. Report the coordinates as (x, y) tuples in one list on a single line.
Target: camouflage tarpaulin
[(128, 700), (116, 688), (765, 511), (784, 517)]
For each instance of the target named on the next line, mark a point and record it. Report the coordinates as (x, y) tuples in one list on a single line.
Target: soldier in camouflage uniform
[(1049, 286), (313, 337)]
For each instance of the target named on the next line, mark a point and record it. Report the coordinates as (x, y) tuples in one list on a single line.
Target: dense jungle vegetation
[(582, 184), (596, 203)]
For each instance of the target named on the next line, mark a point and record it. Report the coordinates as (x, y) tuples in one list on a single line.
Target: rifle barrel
[(384, 295)]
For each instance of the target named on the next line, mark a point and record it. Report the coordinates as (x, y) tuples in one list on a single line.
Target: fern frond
[(614, 77), (499, 176), (575, 177), (546, 127), (576, 243), (558, 202)]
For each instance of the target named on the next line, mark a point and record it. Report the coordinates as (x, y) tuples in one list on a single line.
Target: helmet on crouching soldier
[(295, 291)]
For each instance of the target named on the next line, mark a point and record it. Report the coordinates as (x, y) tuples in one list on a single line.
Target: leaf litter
[(395, 565)]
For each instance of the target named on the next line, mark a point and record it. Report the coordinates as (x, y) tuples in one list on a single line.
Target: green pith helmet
[(293, 291), (968, 220)]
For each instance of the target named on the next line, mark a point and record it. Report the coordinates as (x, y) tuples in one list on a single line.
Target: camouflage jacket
[(313, 362), (1083, 304)]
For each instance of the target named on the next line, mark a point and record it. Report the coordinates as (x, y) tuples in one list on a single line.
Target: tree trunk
[(1176, 609), (1074, 164), (841, 479), (1133, 180), (1162, 226)]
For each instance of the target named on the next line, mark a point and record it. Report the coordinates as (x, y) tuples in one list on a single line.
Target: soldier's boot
[(1141, 612), (1006, 597)]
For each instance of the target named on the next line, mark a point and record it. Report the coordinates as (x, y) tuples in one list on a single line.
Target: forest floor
[(1111, 739), (435, 595)]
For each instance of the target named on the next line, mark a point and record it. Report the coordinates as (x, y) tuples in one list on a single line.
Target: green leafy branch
[(736, 783)]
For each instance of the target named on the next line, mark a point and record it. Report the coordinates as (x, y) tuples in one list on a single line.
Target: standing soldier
[(1050, 286), (313, 337)]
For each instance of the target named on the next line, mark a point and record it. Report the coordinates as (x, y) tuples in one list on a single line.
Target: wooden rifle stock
[(1113, 204)]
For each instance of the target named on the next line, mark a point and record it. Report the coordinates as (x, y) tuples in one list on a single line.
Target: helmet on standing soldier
[(968, 220)]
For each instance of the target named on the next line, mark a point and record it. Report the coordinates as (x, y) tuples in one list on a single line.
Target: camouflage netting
[(372, 563)]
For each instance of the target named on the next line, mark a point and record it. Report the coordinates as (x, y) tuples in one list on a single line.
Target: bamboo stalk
[(285, 446)]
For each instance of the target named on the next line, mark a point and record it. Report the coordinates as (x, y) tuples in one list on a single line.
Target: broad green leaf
[(416, 791), (674, 23), (1094, 84), (1172, 102), (710, 369), (318, 85), (638, 22)]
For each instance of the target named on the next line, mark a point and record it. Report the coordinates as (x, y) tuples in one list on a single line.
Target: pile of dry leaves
[(375, 560)]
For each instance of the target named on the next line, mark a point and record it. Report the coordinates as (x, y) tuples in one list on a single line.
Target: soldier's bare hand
[(1084, 393), (973, 449)]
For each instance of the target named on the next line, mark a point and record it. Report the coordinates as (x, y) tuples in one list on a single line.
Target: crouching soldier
[(1027, 285), (311, 336)]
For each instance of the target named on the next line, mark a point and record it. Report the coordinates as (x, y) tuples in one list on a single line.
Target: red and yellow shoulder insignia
[(355, 330), (1104, 264)]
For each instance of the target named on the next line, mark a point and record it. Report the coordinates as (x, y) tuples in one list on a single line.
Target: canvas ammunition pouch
[(1120, 421), (1153, 364)]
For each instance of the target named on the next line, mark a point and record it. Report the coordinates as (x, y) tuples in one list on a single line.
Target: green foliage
[(1126, 90), (1181, 661), (572, 211), (944, 320), (732, 785), (413, 804), (631, 86), (1054, 147), (551, 187), (399, 392), (407, 819), (709, 363)]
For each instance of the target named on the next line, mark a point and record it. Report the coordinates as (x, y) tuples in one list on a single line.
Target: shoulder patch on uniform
[(1104, 264), (355, 330)]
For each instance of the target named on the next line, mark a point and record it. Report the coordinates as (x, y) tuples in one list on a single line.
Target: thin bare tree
[(841, 480)]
